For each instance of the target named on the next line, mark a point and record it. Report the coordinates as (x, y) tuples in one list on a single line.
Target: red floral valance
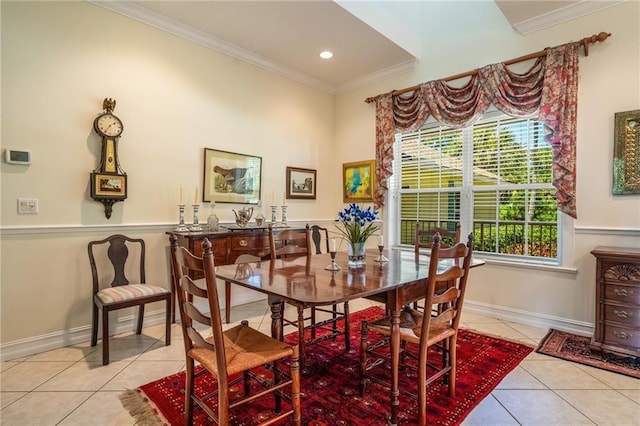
[(549, 87)]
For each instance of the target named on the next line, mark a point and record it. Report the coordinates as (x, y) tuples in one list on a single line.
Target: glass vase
[(213, 223), (356, 254)]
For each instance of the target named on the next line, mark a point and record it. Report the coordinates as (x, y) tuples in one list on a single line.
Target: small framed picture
[(358, 180), (108, 186), (301, 183), (231, 178)]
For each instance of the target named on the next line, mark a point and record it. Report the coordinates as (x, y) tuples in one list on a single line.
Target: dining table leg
[(395, 363), (276, 318)]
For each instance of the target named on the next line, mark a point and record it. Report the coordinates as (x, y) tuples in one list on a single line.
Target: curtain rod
[(585, 44)]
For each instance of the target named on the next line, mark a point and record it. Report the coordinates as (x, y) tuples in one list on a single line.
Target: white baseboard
[(529, 318), (60, 339), (26, 347)]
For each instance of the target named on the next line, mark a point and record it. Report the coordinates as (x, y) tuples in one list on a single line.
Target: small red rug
[(330, 387), (572, 347)]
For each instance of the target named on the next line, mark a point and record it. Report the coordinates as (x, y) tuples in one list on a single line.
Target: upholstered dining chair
[(292, 243), (231, 356), (424, 330), (122, 292)]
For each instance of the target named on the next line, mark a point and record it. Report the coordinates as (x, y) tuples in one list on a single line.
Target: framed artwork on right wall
[(626, 153), (358, 181)]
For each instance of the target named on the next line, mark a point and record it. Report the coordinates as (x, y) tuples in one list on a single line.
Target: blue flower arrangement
[(356, 224)]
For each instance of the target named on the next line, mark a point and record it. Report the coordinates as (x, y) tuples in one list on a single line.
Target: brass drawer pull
[(243, 243), (622, 334), (622, 292), (622, 314)]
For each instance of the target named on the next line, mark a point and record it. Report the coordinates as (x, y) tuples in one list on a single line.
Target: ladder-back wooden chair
[(122, 292), (231, 356), (424, 330), (292, 243)]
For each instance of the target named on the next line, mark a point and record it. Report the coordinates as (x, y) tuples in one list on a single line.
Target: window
[(493, 177)]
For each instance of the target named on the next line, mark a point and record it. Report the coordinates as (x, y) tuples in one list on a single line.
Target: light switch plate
[(27, 206)]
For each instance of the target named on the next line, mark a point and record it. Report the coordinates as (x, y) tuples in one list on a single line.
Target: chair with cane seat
[(231, 356), (424, 330), (294, 243)]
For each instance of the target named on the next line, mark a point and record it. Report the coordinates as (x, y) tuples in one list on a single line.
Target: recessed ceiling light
[(326, 54)]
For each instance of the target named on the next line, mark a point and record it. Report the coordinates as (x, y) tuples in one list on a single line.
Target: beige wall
[(60, 60), (609, 82)]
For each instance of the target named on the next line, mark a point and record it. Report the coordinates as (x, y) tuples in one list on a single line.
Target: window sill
[(529, 265), (516, 264)]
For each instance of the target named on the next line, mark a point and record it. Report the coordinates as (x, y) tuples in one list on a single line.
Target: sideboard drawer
[(249, 242)]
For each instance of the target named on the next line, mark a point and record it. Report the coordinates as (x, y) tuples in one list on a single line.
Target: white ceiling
[(287, 36)]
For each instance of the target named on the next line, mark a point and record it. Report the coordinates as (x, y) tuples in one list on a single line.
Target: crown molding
[(186, 32), (377, 76), (563, 14)]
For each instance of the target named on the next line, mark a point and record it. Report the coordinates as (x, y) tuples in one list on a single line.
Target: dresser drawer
[(625, 315), (621, 336), (622, 293)]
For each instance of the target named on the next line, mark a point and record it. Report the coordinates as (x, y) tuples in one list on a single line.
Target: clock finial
[(109, 104)]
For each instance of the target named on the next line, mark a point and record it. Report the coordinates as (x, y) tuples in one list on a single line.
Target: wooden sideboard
[(617, 327)]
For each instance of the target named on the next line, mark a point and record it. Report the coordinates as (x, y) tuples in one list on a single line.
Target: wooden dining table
[(305, 282)]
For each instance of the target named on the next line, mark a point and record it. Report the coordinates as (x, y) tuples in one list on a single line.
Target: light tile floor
[(69, 386)]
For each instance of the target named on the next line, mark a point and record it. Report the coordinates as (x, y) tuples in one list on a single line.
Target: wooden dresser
[(617, 327)]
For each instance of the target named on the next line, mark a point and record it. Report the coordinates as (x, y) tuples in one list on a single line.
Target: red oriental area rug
[(330, 387), (576, 348)]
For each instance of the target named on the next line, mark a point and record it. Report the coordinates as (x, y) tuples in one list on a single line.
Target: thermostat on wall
[(14, 156)]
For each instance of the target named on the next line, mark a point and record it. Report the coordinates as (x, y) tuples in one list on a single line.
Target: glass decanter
[(213, 223)]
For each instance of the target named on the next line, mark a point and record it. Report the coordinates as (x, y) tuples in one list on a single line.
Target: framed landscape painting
[(358, 180), (301, 183), (231, 178)]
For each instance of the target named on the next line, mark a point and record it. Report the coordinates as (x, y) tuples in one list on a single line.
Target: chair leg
[(422, 388), (188, 393), (301, 333), (167, 331), (347, 328), (363, 356), (295, 388), (105, 336), (276, 380), (313, 323), (94, 325), (140, 319), (452, 360)]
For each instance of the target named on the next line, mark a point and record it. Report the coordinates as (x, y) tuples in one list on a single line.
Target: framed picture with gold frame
[(626, 153), (358, 181), (112, 186)]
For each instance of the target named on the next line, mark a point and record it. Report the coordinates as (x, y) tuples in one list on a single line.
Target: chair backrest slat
[(118, 254), (290, 243), (318, 233), (424, 238)]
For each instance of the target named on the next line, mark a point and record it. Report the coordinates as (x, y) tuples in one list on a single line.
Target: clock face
[(108, 125)]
